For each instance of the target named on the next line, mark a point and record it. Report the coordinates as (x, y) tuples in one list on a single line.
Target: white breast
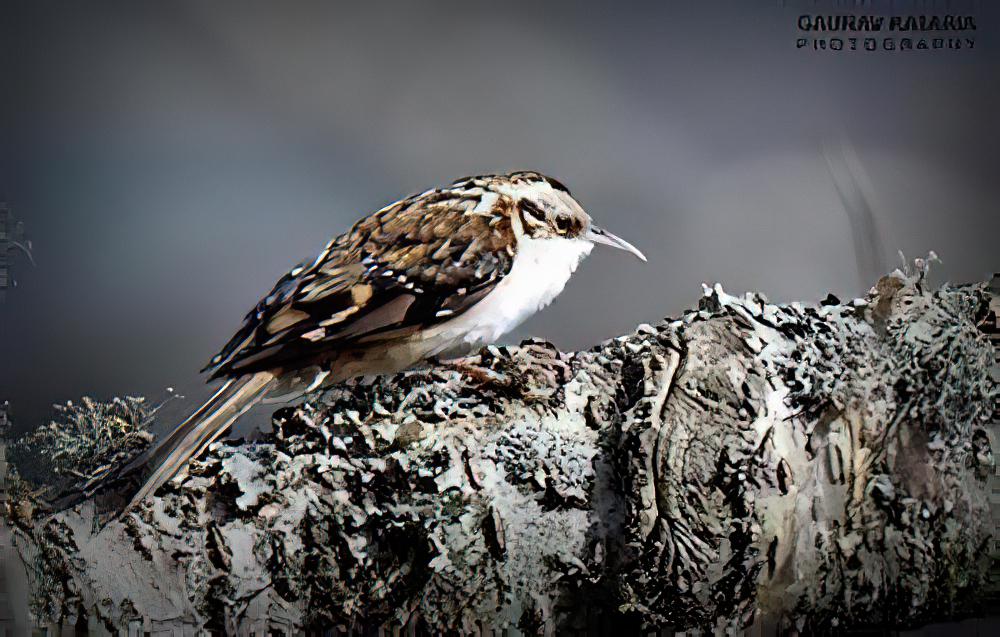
[(539, 273)]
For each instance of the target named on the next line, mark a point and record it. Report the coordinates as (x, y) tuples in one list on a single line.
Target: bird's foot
[(472, 368)]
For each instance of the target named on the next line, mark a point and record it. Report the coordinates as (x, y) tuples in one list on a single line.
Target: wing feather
[(420, 261)]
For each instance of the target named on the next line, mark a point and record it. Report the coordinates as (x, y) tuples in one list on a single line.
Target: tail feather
[(201, 428)]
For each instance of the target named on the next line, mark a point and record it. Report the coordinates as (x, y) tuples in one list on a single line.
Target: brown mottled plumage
[(449, 268), (411, 264)]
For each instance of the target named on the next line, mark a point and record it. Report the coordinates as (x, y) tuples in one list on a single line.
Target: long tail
[(201, 428)]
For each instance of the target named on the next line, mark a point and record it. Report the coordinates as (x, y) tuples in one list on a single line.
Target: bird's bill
[(599, 235)]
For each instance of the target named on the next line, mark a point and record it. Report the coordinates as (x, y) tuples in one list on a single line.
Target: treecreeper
[(434, 274)]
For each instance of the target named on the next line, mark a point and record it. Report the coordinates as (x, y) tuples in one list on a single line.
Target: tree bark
[(797, 467)]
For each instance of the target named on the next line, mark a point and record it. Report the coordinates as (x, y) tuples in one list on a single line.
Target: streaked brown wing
[(420, 261)]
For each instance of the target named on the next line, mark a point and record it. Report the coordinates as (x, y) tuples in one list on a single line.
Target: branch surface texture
[(801, 467)]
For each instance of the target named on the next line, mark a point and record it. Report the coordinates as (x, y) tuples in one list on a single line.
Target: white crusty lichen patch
[(814, 466), (807, 466)]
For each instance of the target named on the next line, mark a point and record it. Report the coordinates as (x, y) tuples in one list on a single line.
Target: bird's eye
[(563, 224)]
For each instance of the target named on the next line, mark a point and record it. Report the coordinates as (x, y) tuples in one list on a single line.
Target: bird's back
[(417, 263)]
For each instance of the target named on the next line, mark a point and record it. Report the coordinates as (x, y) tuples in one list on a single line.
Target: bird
[(429, 276)]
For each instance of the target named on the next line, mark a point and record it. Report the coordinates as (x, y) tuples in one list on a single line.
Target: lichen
[(85, 443), (813, 467)]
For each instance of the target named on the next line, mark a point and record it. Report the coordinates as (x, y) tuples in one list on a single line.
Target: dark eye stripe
[(530, 208)]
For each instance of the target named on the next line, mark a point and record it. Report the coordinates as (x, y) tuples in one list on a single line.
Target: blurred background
[(171, 160)]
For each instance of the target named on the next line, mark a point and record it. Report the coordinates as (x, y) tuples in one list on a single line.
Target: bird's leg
[(469, 366)]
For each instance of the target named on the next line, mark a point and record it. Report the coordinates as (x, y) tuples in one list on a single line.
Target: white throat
[(539, 273)]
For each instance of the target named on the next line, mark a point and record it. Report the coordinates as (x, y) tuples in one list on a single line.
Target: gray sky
[(171, 160)]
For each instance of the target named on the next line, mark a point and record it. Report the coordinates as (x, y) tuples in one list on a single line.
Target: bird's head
[(543, 208)]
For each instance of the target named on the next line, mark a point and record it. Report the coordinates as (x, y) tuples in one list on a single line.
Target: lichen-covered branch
[(814, 467), (83, 446)]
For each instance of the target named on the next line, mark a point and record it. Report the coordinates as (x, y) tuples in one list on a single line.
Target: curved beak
[(599, 235)]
